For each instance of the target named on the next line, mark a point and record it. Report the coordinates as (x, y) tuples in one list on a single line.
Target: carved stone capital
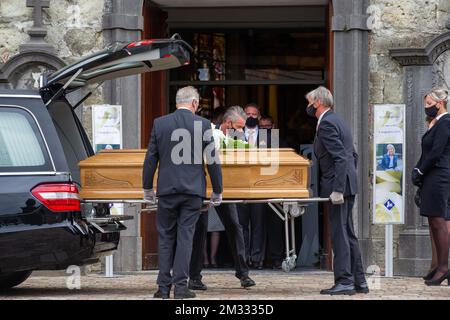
[(410, 57), (422, 56)]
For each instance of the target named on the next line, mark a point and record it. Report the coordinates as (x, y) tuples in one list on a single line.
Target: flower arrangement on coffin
[(229, 143), (224, 142)]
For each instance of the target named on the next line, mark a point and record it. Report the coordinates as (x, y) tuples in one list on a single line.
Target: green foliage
[(234, 144)]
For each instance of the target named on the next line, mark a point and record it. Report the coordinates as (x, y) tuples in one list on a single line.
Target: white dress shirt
[(391, 161), (255, 135), (321, 116), (440, 116)]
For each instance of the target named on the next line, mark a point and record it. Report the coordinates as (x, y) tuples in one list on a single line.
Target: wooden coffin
[(247, 174)]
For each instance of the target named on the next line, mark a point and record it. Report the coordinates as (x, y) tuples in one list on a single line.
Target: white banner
[(107, 134), (106, 127), (389, 164)]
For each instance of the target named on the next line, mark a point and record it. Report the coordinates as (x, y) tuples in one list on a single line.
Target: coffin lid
[(252, 157)]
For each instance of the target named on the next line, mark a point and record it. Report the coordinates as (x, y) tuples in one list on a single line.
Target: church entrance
[(243, 55)]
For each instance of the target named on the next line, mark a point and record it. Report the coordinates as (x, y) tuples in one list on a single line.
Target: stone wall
[(74, 29), (74, 26), (403, 23), (399, 24)]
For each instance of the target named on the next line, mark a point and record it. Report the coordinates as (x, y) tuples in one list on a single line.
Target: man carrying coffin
[(232, 123), (180, 142)]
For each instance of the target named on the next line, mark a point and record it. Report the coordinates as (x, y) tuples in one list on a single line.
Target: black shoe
[(187, 294), (438, 281), (161, 295), (362, 288), (258, 265), (430, 274), (276, 264), (246, 282), (197, 285), (340, 289)]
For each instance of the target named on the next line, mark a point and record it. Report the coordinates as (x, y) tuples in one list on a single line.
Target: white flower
[(218, 136)]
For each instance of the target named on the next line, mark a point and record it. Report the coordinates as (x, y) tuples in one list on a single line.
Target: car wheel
[(9, 280)]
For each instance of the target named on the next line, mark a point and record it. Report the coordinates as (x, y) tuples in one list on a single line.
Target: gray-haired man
[(181, 186), (233, 122), (337, 160)]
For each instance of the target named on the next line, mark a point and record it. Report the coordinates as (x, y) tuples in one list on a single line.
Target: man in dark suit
[(335, 152), (233, 119), (180, 142), (269, 138), (253, 216)]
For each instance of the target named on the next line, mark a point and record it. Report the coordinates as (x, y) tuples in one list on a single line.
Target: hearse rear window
[(22, 147)]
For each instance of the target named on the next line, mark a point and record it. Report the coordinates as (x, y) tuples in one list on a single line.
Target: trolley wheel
[(292, 262), (285, 265)]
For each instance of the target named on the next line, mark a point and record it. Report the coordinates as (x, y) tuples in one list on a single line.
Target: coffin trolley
[(277, 177)]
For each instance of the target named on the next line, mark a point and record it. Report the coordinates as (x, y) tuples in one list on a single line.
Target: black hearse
[(43, 223)]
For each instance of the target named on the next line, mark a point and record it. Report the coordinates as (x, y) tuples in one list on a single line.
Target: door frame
[(155, 103)]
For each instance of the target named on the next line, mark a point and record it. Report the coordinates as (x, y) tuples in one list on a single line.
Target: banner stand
[(109, 270), (107, 134), (389, 160), (389, 250)]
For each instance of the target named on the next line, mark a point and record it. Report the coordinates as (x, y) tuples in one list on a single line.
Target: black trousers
[(175, 220), (275, 235), (347, 263), (253, 220), (229, 217)]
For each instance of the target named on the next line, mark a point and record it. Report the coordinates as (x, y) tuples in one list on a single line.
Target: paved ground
[(221, 285)]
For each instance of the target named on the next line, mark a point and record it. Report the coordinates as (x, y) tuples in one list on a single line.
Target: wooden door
[(327, 246), (153, 105)]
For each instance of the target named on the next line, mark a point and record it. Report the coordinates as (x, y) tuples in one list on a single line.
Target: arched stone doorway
[(424, 68), (23, 70)]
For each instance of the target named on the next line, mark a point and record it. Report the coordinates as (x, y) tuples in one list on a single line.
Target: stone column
[(123, 22), (351, 90), (414, 249)]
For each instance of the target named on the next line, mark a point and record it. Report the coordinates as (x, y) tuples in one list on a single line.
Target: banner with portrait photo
[(389, 164)]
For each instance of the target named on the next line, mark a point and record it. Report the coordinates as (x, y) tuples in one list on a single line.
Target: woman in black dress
[(432, 175), (433, 267)]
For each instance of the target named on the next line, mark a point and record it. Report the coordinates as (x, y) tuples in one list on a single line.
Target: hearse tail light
[(58, 197), (139, 43)]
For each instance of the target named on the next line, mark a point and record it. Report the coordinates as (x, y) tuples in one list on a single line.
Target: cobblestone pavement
[(221, 285)]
